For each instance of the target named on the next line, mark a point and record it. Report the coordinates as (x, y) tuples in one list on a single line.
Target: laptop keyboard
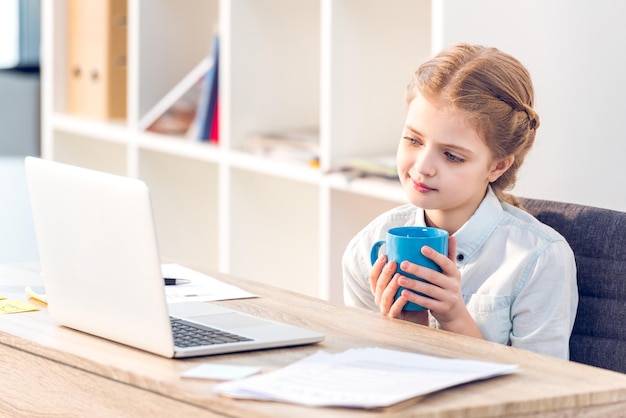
[(187, 334)]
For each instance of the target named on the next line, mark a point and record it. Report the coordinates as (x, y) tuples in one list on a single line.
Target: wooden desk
[(49, 370)]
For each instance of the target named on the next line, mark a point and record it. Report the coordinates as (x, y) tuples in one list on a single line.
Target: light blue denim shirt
[(518, 275)]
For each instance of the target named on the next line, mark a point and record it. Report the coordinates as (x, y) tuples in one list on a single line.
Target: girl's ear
[(499, 167)]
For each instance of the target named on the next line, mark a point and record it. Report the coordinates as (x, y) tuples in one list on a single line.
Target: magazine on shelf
[(300, 145), (381, 166)]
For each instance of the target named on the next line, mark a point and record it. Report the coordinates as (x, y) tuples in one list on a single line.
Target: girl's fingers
[(388, 294), (375, 272), (452, 248), (447, 265)]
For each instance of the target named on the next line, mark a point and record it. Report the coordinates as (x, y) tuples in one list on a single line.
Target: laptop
[(102, 270)]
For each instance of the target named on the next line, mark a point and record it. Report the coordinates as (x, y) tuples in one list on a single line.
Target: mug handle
[(375, 249)]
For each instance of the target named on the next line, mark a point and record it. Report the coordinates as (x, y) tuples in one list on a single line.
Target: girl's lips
[(422, 188)]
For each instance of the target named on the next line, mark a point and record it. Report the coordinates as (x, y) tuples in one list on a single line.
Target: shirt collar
[(471, 236), (420, 218)]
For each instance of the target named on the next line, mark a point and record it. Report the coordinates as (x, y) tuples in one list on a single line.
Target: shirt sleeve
[(356, 288), (544, 309)]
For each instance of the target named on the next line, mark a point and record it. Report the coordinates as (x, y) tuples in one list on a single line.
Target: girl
[(508, 278)]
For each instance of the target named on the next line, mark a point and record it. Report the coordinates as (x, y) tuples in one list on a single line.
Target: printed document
[(361, 378)]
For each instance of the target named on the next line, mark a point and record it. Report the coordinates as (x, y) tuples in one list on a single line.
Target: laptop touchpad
[(230, 320), (193, 309)]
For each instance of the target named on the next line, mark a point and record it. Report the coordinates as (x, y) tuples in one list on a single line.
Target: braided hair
[(495, 91)]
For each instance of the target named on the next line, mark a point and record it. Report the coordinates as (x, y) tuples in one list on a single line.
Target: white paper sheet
[(362, 378), (220, 372), (200, 287)]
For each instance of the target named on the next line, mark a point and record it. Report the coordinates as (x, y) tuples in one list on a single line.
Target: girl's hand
[(384, 286), (445, 299)]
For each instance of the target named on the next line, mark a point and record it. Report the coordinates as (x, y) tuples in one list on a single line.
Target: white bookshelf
[(339, 65)]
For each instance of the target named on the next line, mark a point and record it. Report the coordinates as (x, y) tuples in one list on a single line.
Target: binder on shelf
[(97, 47), (176, 112), (207, 117)]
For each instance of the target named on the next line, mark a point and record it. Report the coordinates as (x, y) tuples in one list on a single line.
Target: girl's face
[(443, 164)]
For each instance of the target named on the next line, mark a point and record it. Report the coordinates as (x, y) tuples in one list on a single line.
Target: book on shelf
[(206, 122), (381, 166), (299, 145), (96, 65), (175, 113)]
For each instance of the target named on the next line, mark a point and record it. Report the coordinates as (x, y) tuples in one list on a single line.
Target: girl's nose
[(425, 163)]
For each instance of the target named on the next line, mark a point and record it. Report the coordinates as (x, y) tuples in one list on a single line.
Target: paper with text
[(361, 378), (200, 287)]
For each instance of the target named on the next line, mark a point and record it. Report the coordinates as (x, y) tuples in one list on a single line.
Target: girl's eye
[(412, 141), (453, 158)]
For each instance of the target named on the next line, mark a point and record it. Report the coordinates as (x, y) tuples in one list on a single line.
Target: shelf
[(350, 212), (295, 171), (389, 190), (339, 66), (90, 152), (185, 210), (169, 38), (181, 147), (274, 224), (371, 49), (271, 64), (113, 131)]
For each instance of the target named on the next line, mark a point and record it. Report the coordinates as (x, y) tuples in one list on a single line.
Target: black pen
[(171, 282)]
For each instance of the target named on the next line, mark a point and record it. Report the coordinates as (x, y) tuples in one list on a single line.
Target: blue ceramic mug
[(405, 243)]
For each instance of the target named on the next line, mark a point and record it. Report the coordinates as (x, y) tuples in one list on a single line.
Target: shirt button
[(460, 257)]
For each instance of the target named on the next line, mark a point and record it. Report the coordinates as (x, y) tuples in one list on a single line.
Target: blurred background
[(19, 123), (573, 49)]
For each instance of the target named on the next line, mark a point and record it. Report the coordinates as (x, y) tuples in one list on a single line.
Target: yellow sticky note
[(15, 306)]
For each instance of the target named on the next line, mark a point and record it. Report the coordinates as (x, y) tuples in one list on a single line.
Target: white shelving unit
[(338, 65)]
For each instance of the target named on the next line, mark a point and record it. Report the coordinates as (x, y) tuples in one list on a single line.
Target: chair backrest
[(598, 238)]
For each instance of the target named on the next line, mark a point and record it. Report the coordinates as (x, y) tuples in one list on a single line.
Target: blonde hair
[(496, 92)]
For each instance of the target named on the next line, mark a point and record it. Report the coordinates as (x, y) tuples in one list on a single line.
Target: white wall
[(575, 51)]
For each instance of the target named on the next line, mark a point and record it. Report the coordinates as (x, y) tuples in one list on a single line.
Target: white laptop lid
[(84, 220), (102, 271)]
